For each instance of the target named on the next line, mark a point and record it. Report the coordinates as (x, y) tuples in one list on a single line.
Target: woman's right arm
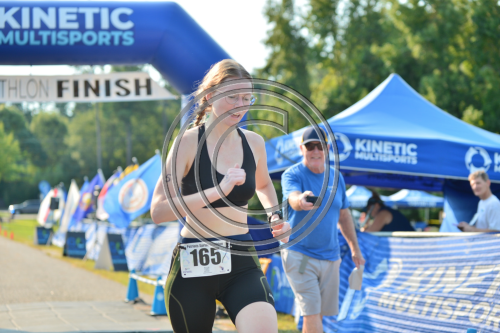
[(161, 210)]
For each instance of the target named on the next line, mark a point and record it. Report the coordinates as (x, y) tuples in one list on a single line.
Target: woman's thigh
[(190, 302), (257, 317), (244, 288)]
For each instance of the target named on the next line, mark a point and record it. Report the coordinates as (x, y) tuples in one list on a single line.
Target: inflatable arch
[(112, 32)]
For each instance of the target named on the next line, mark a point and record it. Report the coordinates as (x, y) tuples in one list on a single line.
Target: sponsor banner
[(112, 87), (261, 234), (160, 253), (43, 235), (138, 248), (423, 285), (412, 156), (282, 292), (117, 250), (66, 25), (75, 244)]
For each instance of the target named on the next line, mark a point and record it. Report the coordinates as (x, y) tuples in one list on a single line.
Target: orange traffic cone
[(5, 233), (12, 235)]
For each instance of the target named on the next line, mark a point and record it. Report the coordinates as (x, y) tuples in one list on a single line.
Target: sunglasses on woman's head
[(311, 145)]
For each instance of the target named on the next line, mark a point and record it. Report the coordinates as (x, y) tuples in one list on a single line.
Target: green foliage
[(288, 60), (10, 156), (14, 122), (50, 129), (446, 50)]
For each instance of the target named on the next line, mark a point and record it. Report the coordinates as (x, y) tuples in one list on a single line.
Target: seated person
[(487, 218), (384, 218)]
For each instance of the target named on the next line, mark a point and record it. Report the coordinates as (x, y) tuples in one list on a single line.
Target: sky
[(238, 26)]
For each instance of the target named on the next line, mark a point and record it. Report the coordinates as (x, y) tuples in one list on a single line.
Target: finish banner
[(112, 87), (445, 284)]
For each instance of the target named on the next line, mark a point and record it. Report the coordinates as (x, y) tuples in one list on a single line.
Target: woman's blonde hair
[(216, 75)]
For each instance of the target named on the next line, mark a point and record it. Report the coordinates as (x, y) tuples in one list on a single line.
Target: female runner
[(241, 172)]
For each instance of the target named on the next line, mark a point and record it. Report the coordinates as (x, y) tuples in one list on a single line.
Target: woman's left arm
[(264, 185)]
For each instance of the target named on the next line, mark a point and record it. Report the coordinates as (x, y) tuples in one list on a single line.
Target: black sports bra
[(240, 194)]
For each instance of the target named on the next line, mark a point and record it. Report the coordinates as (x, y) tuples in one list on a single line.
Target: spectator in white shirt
[(488, 210)]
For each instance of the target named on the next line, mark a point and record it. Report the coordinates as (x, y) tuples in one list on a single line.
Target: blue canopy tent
[(358, 196), (416, 199), (395, 138)]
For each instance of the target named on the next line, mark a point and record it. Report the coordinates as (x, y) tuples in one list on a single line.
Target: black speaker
[(54, 203)]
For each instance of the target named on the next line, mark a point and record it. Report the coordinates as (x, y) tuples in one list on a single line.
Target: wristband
[(276, 212)]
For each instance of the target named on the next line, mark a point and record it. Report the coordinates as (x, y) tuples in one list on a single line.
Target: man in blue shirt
[(312, 265)]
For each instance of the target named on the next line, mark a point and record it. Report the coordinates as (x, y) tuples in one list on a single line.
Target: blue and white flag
[(85, 203), (132, 196), (160, 253), (69, 210), (137, 249), (71, 206)]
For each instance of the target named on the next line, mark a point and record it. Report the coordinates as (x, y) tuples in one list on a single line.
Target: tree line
[(334, 52)]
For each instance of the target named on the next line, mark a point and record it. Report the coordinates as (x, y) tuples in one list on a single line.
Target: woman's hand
[(280, 229), (234, 177)]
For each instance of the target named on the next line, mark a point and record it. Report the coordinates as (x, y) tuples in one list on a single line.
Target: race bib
[(200, 259)]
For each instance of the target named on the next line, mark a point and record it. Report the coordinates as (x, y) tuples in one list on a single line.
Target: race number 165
[(203, 257)]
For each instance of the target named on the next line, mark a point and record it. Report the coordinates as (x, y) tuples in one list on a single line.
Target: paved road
[(39, 293), (28, 275)]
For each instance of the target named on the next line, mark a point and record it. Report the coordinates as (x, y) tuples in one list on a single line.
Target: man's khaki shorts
[(317, 289)]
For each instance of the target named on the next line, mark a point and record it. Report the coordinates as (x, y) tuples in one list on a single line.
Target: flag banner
[(138, 248), (282, 292), (70, 206), (445, 284), (132, 196), (44, 211), (59, 239), (85, 202), (44, 188), (261, 234), (101, 212), (112, 87), (165, 239), (129, 169), (128, 236), (80, 226)]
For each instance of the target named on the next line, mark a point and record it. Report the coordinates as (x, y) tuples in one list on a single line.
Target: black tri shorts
[(191, 302)]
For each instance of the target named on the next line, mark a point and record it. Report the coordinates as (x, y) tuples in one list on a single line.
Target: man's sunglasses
[(311, 145)]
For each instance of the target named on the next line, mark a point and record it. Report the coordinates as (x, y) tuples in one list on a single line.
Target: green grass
[(24, 232), (286, 323)]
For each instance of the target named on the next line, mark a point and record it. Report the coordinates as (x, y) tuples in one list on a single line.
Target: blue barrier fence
[(423, 285)]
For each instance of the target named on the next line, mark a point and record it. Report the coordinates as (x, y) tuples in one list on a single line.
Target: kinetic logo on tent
[(473, 151), (377, 150), (386, 151), (344, 146), (25, 25)]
